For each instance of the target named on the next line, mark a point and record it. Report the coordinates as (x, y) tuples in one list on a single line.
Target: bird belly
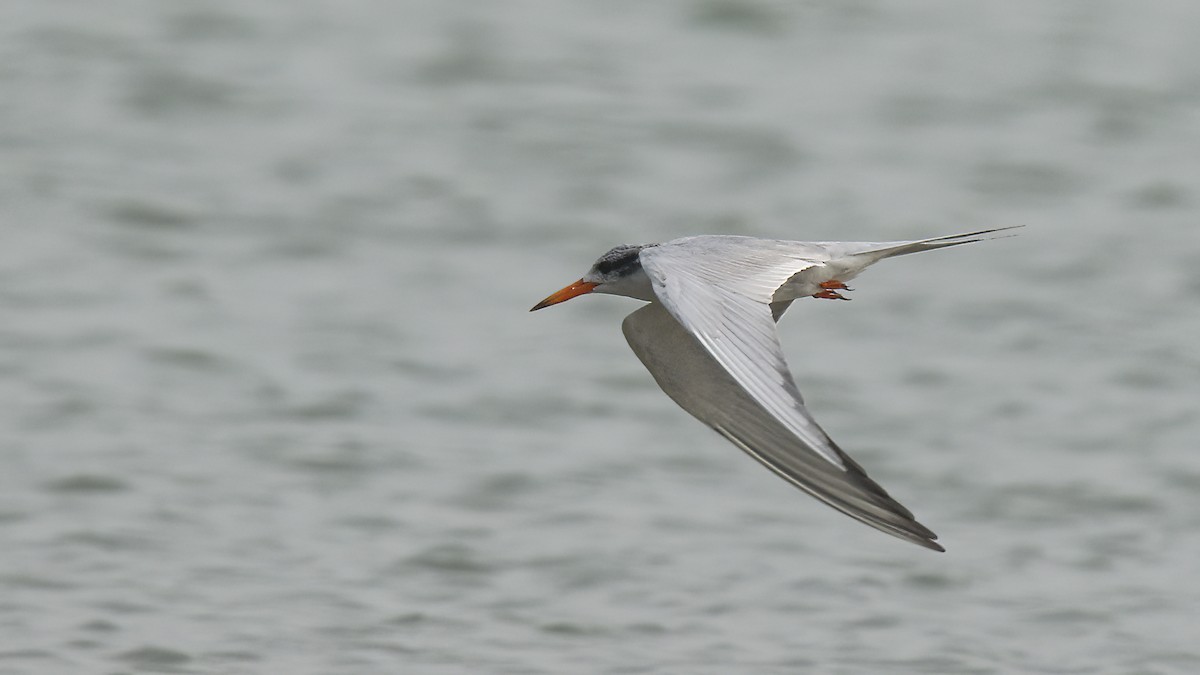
[(807, 282), (804, 283)]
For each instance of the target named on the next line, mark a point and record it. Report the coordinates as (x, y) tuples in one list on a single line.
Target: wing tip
[(884, 513), (908, 529), (926, 542)]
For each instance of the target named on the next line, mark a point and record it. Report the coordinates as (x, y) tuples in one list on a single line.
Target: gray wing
[(694, 379), (725, 304)]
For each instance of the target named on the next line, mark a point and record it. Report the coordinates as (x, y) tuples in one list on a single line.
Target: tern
[(708, 337)]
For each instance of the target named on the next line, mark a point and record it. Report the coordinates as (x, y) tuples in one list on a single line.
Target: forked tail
[(891, 249)]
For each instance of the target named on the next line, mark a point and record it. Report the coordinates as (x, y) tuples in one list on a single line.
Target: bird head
[(618, 272)]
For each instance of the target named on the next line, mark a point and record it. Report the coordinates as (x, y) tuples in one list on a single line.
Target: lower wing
[(689, 374)]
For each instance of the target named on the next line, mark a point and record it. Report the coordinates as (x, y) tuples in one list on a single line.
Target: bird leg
[(831, 289)]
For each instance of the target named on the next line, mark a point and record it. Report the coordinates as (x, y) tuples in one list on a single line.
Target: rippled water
[(272, 401)]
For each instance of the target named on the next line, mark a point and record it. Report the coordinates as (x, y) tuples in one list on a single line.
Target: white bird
[(708, 337)]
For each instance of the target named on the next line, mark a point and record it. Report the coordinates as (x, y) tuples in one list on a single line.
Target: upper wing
[(713, 348), (724, 303), (689, 374)]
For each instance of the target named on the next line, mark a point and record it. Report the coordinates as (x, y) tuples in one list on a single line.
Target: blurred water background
[(272, 401)]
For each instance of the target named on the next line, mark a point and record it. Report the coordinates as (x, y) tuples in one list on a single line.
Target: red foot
[(831, 289)]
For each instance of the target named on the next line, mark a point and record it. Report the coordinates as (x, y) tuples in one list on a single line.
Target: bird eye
[(615, 259)]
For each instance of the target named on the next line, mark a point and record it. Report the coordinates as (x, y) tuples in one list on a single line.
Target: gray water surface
[(272, 401)]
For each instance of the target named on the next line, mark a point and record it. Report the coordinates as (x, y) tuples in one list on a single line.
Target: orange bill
[(578, 288)]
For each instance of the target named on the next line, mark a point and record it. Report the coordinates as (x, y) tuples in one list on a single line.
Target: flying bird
[(708, 337)]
